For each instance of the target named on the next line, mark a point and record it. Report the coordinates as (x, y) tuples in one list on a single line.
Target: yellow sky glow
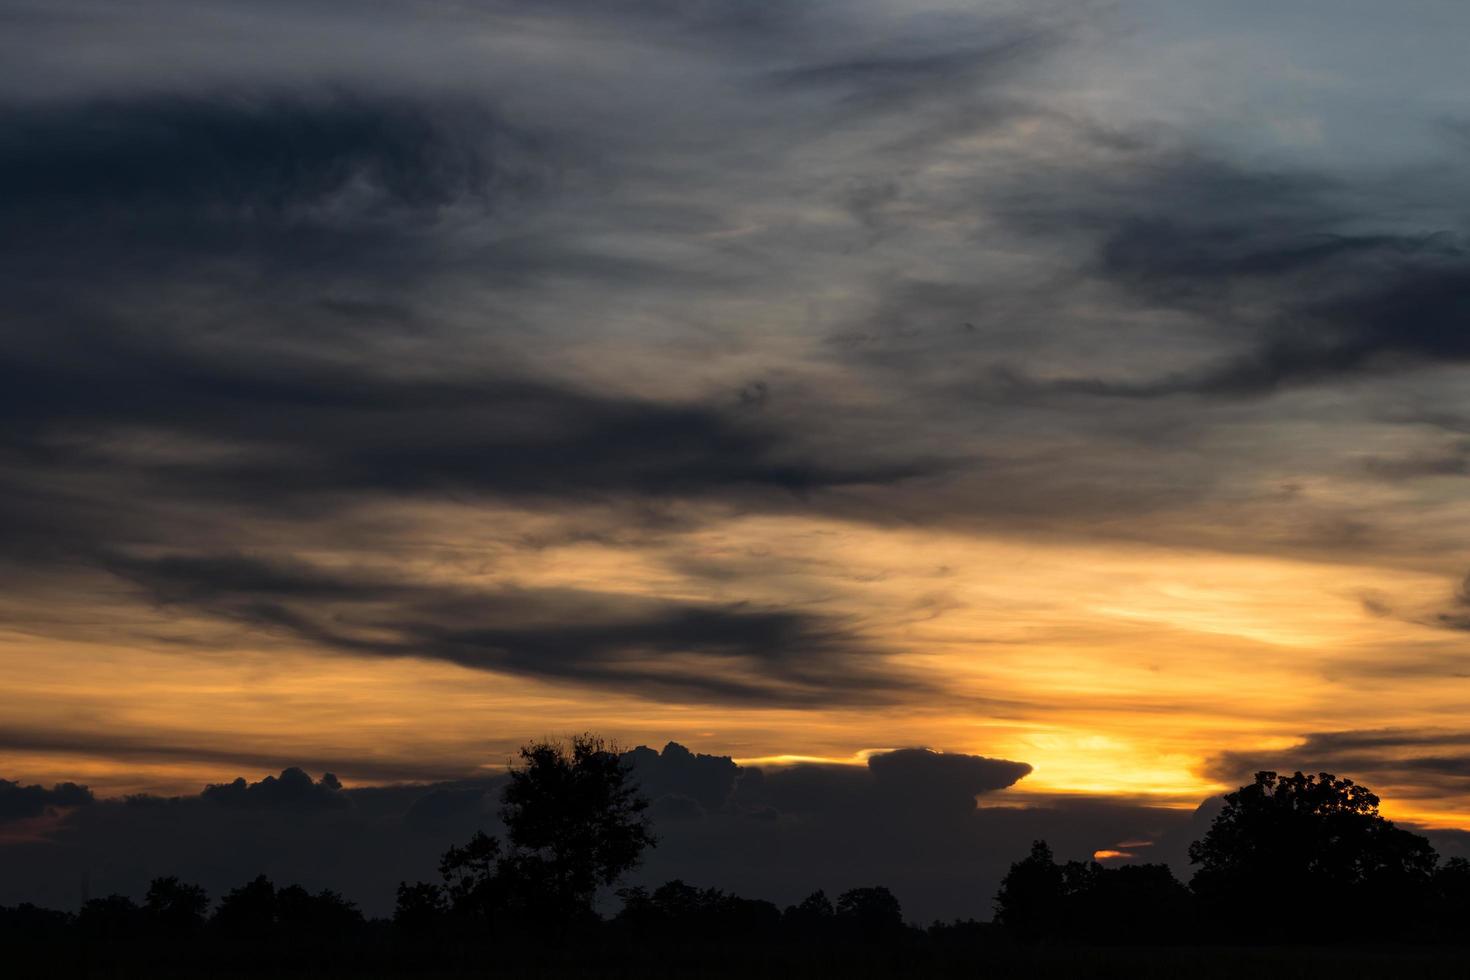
[(1111, 669)]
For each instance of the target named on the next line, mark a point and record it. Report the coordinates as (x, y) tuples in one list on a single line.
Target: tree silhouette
[(1306, 856), (575, 820), (1030, 898), (175, 908), (1083, 901), (248, 913), (420, 910), (303, 917), (873, 912), (1130, 904), (472, 880), (812, 916)]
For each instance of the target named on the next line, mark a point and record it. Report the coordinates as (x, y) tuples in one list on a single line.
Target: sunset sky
[(1083, 384)]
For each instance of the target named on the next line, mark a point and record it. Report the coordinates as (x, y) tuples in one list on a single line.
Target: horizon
[(941, 829)]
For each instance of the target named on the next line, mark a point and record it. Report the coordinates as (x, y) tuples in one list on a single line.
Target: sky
[(1078, 386)]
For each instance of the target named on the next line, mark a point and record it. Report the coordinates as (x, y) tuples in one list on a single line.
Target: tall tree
[(575, 822), (575, 819)]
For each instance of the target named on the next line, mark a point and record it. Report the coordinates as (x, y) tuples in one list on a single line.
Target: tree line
[(1290, 859)]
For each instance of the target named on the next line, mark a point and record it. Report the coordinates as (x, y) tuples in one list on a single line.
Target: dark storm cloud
[(293, 789), (1455, 615), (707, 781), (938, 782), (1408, 760), (1158, 254), (1410, 318), (729, 652), (1452, 459), (200, 264), (914, 773), (225, 276), (18, 802), (1288, 267), (113, 205), (361, 842), (908, 820), (118, 205), (318, 428), (577, 446), (241, 159), (291, 421), (714, 20)]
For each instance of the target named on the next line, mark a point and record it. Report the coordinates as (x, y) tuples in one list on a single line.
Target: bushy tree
[(1029, 902), (574, 818), (1309, 857)]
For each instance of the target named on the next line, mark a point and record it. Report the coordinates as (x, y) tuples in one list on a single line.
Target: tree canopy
[(1312, 851), (1043, 901)]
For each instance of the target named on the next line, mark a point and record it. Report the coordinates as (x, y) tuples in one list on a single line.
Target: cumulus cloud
[(908, 818), (293, 789), (18, 802)]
